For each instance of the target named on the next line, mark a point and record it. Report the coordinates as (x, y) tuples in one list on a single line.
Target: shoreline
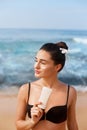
[(8, 111)]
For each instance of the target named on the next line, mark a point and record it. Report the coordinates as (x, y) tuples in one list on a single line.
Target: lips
[(37, 72)]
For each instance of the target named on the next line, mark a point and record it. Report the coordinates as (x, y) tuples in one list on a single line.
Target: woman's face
[(44, 66)]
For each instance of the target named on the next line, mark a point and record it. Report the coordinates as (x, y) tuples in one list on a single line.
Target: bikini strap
[(28, 92), (67, 94)]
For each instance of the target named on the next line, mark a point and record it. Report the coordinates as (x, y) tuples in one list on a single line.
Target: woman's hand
[(36, 113)]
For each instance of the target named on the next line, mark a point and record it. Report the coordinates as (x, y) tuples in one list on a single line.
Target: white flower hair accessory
[(63, 51)]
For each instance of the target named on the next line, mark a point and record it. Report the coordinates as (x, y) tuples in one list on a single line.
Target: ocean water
[(18, 48)]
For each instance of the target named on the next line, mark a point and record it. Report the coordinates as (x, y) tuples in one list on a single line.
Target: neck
[(50, 82)]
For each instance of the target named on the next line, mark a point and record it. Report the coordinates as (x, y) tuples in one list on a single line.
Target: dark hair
[(56, 53)]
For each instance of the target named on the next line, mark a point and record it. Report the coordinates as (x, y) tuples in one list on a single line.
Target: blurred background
[(26, 25), (18, 48)]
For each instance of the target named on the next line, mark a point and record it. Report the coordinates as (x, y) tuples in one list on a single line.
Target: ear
[(58, 67)]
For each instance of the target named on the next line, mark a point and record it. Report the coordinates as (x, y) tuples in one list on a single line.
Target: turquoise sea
[(19, 46)]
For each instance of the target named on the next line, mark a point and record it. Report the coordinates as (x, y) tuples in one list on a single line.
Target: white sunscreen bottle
[(45, 93)]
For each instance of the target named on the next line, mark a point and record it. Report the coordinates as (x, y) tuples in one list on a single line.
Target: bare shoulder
[(72, 94), (73, 91), (23, 88), (23, 91)]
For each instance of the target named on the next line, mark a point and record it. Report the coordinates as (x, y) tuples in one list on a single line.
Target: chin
[(37, 76)]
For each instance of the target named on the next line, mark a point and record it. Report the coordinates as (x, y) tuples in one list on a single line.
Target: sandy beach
[(8, 109)]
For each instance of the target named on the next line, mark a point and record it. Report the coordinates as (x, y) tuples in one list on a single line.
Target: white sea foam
[(80, 88), (80, 40), (77, 50), (6, 90)]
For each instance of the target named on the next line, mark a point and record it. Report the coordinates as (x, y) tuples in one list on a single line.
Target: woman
[(60, 108)]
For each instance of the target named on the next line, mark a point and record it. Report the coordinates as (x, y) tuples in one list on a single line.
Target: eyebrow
[(41, 59)]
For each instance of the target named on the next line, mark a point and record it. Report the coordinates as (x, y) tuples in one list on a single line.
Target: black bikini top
[(56, 114)]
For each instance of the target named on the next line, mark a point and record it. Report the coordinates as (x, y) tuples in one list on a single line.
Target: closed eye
[(42, 61)]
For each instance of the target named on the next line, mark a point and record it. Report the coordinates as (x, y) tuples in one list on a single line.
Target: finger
[(36, 113), (38, 109), (39, 103), (35, 109)]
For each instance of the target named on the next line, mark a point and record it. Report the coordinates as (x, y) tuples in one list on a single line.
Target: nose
[(37, 65)]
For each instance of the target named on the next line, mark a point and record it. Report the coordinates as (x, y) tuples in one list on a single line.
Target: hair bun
[(63, 47)]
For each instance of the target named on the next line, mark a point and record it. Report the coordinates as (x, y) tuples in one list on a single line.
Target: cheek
[(47, 69), (44, 67)]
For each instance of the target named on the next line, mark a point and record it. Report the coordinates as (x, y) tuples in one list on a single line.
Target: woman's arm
[(24, 125), (21, 122), (71, 121)]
